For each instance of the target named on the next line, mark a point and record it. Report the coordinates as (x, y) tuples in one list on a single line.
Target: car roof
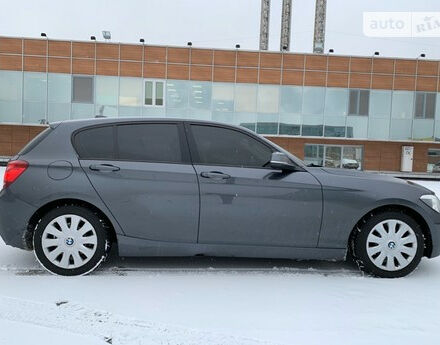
[(109, 120), (74, 125)]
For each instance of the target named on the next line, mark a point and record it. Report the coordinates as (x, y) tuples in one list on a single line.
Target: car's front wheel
[(71, 240), (389, 244)]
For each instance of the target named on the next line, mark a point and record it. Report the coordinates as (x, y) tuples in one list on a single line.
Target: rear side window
[(95, 143), (154, 142), (223, 146)]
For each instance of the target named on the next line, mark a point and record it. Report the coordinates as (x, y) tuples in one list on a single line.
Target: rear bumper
[(14, 217)]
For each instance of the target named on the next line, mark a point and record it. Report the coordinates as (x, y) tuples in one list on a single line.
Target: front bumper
[(435, 238), (432, 219), (14, 217)]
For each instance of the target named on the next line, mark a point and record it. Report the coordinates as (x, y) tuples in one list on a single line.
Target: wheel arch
[(38, 214), (400, 208)]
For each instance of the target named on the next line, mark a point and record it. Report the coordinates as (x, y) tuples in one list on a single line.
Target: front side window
[(223, 146), (82, 89), (425, 105), (358, 102), (154, 93), (153, 142)]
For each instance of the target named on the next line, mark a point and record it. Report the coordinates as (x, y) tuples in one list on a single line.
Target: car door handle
[(218, 175), (104, 167)]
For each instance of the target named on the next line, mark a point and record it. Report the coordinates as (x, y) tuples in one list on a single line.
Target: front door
[(243, 201), (143, 174)]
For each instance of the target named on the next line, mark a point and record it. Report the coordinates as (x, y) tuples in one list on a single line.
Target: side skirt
[(130, 246)]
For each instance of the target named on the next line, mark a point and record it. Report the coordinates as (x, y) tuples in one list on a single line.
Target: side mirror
[(281, 161)]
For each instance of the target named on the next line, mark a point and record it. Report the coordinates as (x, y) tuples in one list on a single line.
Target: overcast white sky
[(212, 23)]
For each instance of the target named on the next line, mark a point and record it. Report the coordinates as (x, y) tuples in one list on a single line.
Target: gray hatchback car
[(168, 187)]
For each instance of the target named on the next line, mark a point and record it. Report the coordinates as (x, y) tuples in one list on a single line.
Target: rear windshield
[(34, 142)]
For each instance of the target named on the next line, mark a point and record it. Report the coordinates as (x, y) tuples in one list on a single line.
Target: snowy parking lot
[(216, 301)]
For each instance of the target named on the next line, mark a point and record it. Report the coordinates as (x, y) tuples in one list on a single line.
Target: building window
[(314, 155), (379, 114), (223, 97), (401, 115), (312, 130), (82, 89), (358, 102), (246, 106), (106, 95), (34, 97), (333, 156), (59, 93), (148, 93), (268, 109), (425, 105), (433, 161), (154, 92), (290, 110), (11, 94)]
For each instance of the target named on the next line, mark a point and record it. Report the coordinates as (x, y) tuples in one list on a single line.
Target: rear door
[(143, 174), (245, 202)]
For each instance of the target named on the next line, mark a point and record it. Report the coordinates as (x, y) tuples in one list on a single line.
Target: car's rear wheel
[(389, 244), (71, 240)]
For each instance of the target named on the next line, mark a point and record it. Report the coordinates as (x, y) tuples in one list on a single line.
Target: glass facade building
[(310, 111), (337, 111)]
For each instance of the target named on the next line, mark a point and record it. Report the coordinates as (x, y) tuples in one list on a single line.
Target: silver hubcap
[(392, 245), (69, 241)]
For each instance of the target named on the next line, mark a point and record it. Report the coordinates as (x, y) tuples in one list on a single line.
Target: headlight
[(432, 201)]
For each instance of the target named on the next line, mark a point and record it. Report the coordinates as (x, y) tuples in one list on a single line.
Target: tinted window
[(364, 99), (154, 142), (420, 100), (425, 105), (353, 102), (358, 103), (430, 105), (95, 143), (312, 131), (82, 89), (221, 146)]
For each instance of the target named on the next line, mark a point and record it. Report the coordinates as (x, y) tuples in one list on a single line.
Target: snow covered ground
[(216, 301)]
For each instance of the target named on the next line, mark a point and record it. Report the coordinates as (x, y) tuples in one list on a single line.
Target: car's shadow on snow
[(129, 265)]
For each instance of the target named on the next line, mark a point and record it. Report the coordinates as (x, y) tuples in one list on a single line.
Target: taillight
[(13, 171)]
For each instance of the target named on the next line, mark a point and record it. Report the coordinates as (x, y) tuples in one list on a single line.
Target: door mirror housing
[(281, 161)]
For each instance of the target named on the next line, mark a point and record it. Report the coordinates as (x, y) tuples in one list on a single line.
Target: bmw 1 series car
[(169, 187)]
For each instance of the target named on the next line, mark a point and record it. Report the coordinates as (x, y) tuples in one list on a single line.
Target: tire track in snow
[(75, 318)]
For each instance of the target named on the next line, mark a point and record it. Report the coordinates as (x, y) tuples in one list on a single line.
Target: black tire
[(358, 244), (102, 243)]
